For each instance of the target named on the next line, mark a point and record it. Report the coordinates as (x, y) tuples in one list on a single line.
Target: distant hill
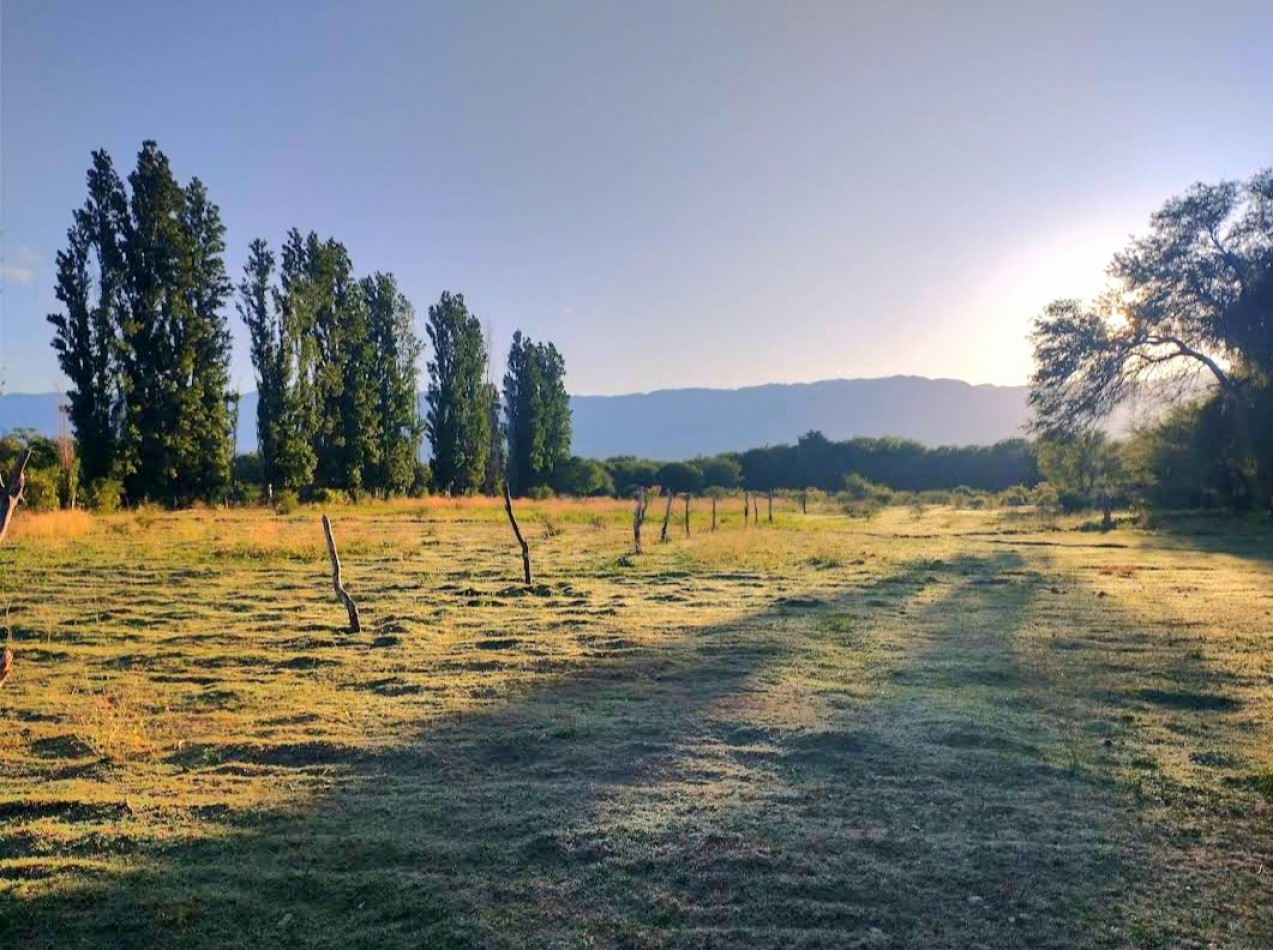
[(679, 423)]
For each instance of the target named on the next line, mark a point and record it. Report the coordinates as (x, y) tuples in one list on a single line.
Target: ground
[(930, 728)]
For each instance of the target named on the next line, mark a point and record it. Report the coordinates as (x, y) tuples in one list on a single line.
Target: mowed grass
[(939, 729)]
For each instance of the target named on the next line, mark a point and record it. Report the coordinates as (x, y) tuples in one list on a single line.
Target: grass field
[(937, 729)]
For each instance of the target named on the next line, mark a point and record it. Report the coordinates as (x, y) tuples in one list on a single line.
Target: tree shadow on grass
[(623, 806), (1249, 538)]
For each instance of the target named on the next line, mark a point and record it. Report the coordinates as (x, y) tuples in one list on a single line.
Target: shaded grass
[(793, 736)]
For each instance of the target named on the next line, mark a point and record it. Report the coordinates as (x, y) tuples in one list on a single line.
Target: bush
[(41, 492), (329, 496), (858, 488), (286, 501), (540, 492), (1014, 497), (864, 508), (105, 495)]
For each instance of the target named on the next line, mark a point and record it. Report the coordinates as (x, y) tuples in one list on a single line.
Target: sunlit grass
[(818, 732)]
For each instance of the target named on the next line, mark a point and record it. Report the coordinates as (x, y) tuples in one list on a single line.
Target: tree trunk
[(687, 514), (667, 516), (11, 496), (508, 507), (638, 519), (354, 625)]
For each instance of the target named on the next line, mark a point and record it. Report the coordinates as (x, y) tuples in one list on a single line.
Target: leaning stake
[(667, 516), (354, 625), (508, 506), (11, 496), (638, 519)]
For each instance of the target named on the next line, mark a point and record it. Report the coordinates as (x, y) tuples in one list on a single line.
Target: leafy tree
[(209, 404), (631, 473), (1084, 467), (721, 471), (148, 353), (395, 354), (268, 348), (496, 458), (522, 404), (457, 420), (86, 336), (680, 477), (1192, 298), (537, 413), (582, 478)]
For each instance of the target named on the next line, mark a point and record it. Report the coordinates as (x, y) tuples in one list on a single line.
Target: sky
[(679, 193)]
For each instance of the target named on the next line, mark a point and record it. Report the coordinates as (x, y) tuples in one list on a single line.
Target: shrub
[(105, 495), (1014, 497), (41, 492), (286, 501), (330, 496), (858, 488)]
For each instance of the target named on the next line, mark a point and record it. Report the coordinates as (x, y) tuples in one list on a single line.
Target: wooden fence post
[(517, 532), (352, 608), (638, 519)]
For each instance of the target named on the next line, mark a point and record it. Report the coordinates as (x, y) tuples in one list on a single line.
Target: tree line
[(145, 344)]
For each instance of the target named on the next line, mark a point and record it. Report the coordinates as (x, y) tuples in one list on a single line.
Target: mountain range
[(681, 423)]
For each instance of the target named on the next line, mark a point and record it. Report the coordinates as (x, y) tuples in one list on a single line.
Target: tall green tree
[(267, 347), (148, 355), (457, 420), (537, 413), (86, 335), (395, 353), (210, 406)]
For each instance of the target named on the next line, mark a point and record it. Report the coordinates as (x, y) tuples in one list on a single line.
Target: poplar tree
[(457, 420), (395, 350), (148, 354), (537, 413), (86, 335)]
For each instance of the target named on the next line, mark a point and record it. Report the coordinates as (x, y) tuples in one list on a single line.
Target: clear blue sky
[(677, 193)]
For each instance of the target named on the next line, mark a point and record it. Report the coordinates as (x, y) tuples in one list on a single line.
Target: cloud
[(21, 266)]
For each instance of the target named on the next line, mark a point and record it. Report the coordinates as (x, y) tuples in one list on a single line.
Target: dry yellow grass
[(942, 729)]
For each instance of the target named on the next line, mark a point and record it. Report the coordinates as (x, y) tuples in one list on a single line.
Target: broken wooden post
[(713, 512), (687, 514), (804, 501), (508, 507), (667, 515), (638, 519), (341, 593), (746, 507), (771, 507), (6, 665), (11, 496)]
